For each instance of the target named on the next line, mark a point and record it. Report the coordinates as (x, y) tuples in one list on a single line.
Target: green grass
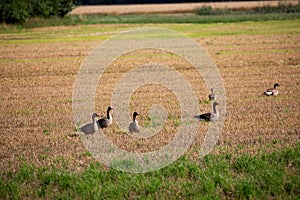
[(266, 176), (148, 18), (184, 18), (99, 33)]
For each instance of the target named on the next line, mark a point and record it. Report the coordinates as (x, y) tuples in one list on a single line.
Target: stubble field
[(174, 8), (39, 67)]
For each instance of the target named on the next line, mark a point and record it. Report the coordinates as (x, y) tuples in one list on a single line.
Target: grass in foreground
[(266, 176)]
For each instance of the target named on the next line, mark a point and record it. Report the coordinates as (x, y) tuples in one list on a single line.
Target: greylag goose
[(106, 122), (211, 96), (272, 91), (211, 116), (134, 126), (92, 127)]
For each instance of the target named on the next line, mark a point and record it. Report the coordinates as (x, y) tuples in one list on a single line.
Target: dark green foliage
[(63, 7), (12, 11), (282, 8), (17, 11), (41, 8)]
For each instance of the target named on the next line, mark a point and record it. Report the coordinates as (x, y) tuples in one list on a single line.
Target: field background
[(173, 8), (39, 67)]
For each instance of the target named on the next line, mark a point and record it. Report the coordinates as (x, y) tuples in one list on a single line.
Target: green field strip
[(54, 40), (101, 32), (52, 59), (260, 51)]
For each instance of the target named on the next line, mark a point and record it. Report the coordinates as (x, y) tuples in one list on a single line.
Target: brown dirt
[(172, 8), (37, 83)]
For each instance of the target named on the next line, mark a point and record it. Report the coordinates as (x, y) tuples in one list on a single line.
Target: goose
[(211, 116), (134, 126), (212, 96), (106, 122), (92, 127), (272, 91)]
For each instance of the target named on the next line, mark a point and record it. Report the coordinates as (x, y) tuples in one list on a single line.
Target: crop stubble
[(173, 8), (37, 83)]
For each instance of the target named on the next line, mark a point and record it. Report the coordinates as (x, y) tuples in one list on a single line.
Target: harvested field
[(39, 67), (173, 8)]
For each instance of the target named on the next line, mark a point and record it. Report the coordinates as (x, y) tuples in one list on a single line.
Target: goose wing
[(269, 91), (104, 123), (205, 117), (88, 129), (134, 128)]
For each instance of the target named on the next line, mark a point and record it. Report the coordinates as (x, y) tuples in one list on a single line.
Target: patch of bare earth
[(173, 8), (36, 98)]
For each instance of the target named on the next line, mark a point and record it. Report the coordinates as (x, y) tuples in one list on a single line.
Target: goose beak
[(97, 115)]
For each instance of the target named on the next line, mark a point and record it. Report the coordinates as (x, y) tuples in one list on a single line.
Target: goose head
[(108, 110), (94, 115), (109, 116), (215, 104), (276, 85), (134, 115)]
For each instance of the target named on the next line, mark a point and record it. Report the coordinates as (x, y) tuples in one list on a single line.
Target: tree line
[(17, 11)]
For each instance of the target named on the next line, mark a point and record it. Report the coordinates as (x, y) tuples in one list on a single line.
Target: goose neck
[(95, 123), (215, 109), (108, 115), (94, 119), (135, 114)]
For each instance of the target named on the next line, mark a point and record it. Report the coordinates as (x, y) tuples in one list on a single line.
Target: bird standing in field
[(212, 96), (211, 116), (272, 91), (134, 125), (106, 122), (92, 127)]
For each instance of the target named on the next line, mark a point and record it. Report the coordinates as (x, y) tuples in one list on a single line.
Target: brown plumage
[(211, 116), (134, 126), (272, 91), (211, 96), (92, 127), (106, 122)]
